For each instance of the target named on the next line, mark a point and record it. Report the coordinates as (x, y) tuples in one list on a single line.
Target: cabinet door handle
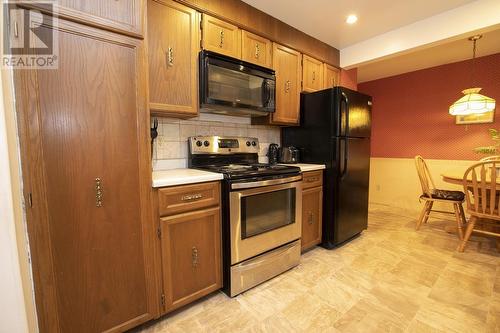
[(221, 38), (314, 75), (257, 51), (16, 29), (194, 256), (170, 56), (98, 192), (287, 86), (311, 217), (189, 197)]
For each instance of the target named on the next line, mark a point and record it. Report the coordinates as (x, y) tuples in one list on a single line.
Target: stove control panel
[(222, 145)]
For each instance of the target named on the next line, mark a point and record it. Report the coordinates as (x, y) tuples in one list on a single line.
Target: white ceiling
[(445, 53), (325, 19)]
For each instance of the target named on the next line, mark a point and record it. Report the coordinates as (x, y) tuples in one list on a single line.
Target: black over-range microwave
[(235, 87)]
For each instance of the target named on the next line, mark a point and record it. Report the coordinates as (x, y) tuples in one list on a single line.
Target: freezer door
[(354, 113), (351, 216)]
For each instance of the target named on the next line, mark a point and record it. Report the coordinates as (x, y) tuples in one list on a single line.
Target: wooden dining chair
[(490, 158), (482, 194), (430, 195)]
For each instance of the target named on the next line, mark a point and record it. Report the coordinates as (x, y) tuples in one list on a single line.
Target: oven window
[(267, 211), (234, 87)]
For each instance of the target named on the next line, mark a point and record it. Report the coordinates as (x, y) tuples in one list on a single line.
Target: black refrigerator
[(335, 126)]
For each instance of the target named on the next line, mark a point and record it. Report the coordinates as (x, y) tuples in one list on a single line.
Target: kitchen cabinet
[(255, 49), (173, 46), (312, 209), (287, 65), (124, 16), (221, 37), (331, 76), (87, 175), (190, 232), (312, 74)]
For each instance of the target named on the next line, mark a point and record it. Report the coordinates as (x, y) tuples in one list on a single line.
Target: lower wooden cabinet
[(190, 251), (312, 213)]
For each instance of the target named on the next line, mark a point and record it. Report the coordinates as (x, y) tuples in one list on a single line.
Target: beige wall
[(394, 181)]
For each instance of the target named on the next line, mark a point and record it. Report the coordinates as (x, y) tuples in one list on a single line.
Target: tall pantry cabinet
[(87, 181)]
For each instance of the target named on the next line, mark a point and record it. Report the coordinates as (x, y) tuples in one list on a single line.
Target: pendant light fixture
[(472, 102)]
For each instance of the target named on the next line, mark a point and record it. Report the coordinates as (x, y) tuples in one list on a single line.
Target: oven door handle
[(266, 182)]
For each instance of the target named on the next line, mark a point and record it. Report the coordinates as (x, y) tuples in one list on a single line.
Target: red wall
[(410, 111), (349, 78)]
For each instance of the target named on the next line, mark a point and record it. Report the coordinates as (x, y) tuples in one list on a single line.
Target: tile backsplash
[(170, 149)]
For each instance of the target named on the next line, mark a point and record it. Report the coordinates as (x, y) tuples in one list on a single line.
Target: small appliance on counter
[(273, 153), (289, 155)]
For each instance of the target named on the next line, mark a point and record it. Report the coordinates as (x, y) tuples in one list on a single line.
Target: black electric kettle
[(273, 153)]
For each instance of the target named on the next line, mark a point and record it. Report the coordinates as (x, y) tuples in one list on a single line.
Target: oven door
[(263, 218)]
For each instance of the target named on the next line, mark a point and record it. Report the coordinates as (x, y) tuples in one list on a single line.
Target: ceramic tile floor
[(390, 279)]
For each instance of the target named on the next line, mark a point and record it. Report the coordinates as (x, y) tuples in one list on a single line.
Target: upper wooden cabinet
[(331, 76), (173, 42), (286, 63), (255, 49), (125, 16), (312, 74), (221, 37)]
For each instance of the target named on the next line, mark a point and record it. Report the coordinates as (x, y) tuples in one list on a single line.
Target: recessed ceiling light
[(351, 19)]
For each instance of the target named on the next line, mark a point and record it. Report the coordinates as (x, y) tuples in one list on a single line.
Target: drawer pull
[(194, 256), (98, 192), (310, 218), (310, 180), (189, 197)]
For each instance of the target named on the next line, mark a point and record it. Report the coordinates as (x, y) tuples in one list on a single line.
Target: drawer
[(312, 179), (180, 199)]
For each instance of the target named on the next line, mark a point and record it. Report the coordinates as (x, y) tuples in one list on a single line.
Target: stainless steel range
[(261, 217)]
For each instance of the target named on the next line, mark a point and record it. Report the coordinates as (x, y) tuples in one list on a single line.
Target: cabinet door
[(191, 253), (312, 215), (331, 76), (125, 16), (173, 46), (86, 166), (286, 63), (312, 74), (255, 49), (221, 37)]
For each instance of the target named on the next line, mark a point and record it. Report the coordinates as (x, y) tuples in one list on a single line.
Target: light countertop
[(183, 176), (307, 167)]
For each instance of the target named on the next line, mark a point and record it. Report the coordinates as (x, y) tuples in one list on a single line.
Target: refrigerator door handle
[(346, 158), (344, 127)]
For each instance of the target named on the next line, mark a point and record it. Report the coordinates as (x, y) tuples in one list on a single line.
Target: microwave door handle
[(266, 93)]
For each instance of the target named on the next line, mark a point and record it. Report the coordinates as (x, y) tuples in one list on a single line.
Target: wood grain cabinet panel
[(312, 74), (86, 166), (312, 179), (173, 46), (191, 251), (255, 49), (180, 199), (331, 76), (221, 37), (312, 214), (125, 16), (287, 64)]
